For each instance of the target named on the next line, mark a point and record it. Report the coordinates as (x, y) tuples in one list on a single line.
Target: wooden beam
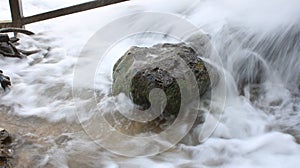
[(6, 24), (69, 10), (16, 13)]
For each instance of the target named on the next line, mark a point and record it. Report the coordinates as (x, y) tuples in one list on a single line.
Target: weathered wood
[(16, 13), (5, 24), (69, 10), (16, 30)]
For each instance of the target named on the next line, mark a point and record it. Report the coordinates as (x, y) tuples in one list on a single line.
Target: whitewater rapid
[(254, 131)]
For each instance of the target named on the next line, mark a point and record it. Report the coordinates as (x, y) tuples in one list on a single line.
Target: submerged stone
[(250, 71), (5, 148)]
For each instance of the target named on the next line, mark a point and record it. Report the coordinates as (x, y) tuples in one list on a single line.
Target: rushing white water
[(257, 41)]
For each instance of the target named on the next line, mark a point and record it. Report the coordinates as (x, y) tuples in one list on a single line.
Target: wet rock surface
[(5, 81), (32, 138), (169, 67), (6, 151), (162, 61), (8, 45), (7, 49)]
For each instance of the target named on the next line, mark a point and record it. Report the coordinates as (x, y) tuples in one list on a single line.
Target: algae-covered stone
[(142, 69)]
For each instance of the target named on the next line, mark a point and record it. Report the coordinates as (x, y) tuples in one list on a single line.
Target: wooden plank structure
[(16, 13), (18, 20)]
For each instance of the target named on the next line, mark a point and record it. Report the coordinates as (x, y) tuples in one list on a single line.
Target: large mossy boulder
[(142, 69)]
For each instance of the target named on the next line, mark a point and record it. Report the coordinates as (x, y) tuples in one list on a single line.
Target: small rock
[(5, 81), (5, 148), (4, 135), (277, 102), (62, 139), (4, 37)]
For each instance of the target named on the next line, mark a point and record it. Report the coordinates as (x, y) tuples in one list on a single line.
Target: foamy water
[(254, 131)]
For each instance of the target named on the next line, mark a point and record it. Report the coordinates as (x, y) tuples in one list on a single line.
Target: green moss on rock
[(144, 66)]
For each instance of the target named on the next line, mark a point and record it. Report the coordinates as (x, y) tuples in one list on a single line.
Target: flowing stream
[(258, 47)]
